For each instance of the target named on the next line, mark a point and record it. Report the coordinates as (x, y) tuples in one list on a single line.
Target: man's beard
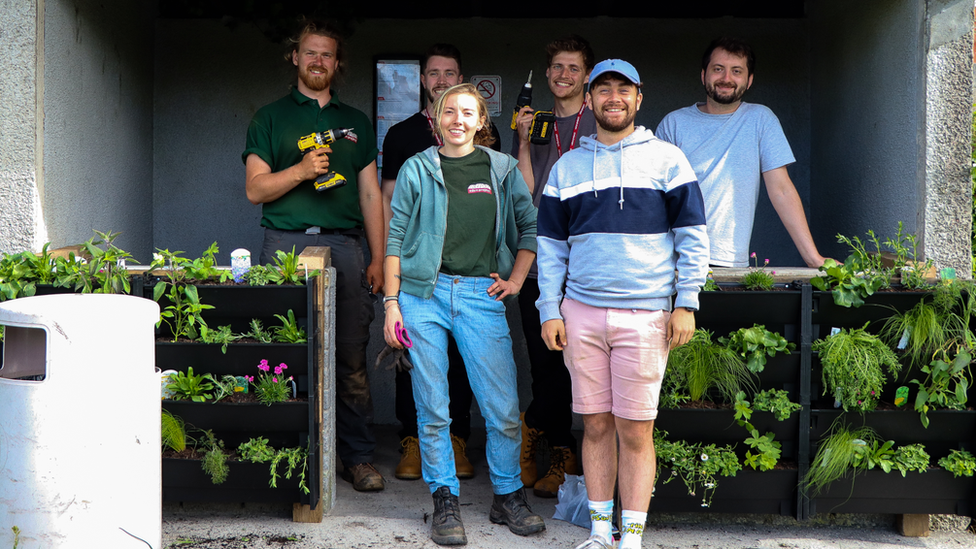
[(431, 98), (315, 82), (607, 125), (735, 96)]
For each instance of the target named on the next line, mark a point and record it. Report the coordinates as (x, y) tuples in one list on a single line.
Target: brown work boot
[(462, 466), (513, 510), (409, 466), (364, 477), (562, 461), (530, 438)]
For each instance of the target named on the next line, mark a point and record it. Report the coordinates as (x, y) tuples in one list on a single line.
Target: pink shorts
[(616, 359)]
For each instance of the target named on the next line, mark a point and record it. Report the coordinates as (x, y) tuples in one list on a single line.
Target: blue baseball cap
[(618, 66)]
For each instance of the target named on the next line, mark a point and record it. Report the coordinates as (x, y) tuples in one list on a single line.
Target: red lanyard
[(572, 141), (437, 136)]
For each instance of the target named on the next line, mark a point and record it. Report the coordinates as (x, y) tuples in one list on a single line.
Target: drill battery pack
[(540, 132), (329, 181)]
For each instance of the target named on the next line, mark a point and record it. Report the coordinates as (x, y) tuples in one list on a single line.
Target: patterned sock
[(632, 528), (601, 519)]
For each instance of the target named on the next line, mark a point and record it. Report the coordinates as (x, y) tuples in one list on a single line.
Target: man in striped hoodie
[(619, 216)]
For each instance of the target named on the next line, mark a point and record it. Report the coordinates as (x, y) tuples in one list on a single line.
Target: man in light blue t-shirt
[(730, 144)]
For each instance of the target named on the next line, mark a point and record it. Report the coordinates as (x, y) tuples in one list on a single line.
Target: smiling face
[(460, 120), (316, 60), (567, 74), (614, 102), (440, 74), (726, 78)]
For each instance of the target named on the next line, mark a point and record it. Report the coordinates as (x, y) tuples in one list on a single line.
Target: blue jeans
[(461, 305)]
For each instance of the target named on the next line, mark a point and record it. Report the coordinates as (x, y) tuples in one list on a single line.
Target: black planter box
[(185, 480), (720, 427), (728, 310), (241, 359), (933, 492), (749, 491), (878, 307), (948, 429)]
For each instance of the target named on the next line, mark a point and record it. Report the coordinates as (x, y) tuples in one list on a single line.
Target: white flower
[(704, 457), (709, 485), (157, 257)]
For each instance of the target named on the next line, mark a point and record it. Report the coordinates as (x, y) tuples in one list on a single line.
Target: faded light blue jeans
[(461, 305)]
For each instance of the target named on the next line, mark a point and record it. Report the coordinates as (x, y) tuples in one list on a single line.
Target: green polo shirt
[(273, 135)]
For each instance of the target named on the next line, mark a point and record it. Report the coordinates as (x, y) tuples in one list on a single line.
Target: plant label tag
[(901, 395), (947, 273), (903, 342), (838, 394), (241, 384), (835, 330)]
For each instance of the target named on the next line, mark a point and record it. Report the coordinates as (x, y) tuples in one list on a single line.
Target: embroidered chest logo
[(476, 188)]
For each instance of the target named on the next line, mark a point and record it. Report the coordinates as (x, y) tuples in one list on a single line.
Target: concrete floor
[(395, 518)]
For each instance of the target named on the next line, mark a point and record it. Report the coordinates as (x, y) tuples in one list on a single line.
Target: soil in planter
[(243, 398)]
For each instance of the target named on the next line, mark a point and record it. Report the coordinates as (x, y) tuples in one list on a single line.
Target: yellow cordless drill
[(540, 131), (319, 140)]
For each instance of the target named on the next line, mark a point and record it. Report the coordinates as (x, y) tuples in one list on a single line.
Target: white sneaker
[(595, 542)]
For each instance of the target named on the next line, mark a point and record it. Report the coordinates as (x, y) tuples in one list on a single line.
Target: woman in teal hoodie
[(462, 239)]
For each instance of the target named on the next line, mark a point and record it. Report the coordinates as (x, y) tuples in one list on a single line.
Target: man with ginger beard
[(730, 144), (295, 215), (439, 70)]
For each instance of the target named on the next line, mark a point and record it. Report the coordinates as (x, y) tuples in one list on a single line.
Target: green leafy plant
[(905, 246), (102, 272), (776, 401), (173, 432), (221, 336), (184, 314), (920, 331), (911, 458), (697, 465), (710, 284), (755, 344), (226, 386), (701, 365), (836, 455), (847, 283), (757, 278), (256, 450), (259, 333), (285, 270), (960, 463), (767, 450), (289, 331), (854, 364), (214, 458), (271, 388), (945, 386), (16, 532), (205, 268), (189, 386)]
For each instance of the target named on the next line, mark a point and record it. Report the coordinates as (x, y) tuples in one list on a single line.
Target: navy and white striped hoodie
[(615, 222)]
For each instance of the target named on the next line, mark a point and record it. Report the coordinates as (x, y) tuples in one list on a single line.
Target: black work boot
[(446, 527), (513, 510)]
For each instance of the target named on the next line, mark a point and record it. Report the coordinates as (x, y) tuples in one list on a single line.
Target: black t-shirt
[(408, 138)]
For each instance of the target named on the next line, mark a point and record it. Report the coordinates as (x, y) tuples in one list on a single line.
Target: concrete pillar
[(946, 216), (21, 75)]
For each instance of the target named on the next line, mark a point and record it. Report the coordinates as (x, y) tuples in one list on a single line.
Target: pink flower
[(264, 366), (283, 366), (772, 272), (278, 370), (250, 379), (766, 262), (276, 381), (753, 255)]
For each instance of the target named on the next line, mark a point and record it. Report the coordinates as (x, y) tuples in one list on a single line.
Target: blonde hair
[(483, 137)]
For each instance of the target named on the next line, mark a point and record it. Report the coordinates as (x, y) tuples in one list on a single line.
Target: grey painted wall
[(98, 142), (867, 118), (203, 103)]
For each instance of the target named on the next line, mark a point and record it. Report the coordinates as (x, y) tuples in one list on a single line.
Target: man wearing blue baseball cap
[(629, 200)]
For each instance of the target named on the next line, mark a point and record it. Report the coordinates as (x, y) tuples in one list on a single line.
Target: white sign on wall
[(490, 87)]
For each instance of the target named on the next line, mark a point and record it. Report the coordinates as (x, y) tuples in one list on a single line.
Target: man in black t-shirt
[(439, 70)]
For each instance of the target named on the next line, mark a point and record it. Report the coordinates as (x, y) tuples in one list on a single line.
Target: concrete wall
[(20, 227), (98, 122)]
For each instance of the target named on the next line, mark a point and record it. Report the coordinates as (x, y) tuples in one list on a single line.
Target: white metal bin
[(79, 422)]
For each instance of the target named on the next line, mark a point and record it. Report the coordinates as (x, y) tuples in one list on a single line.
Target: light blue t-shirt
[(729, 152)]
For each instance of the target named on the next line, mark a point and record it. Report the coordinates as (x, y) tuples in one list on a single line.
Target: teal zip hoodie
[(420, 218)]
